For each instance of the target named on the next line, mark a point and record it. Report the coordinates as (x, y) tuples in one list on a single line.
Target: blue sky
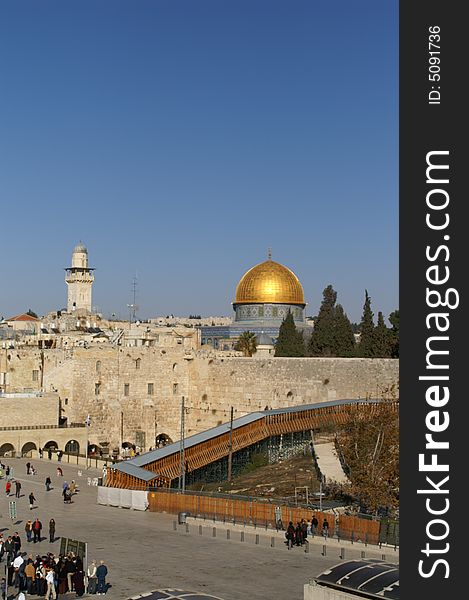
[(181, 139)]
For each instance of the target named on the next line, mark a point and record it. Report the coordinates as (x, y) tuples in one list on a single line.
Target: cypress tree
[(290, 341), (394, 333), (382, 341), (344, 340), (322, 338), (365, 348)]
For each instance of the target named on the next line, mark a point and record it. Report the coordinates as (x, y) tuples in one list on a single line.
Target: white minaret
[(79, 278)]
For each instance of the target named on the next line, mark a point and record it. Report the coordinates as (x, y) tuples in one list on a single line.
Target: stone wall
[(250, 384), (24, 411), (94, 381)]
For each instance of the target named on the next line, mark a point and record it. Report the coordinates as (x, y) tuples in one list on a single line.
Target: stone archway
[(72, 447), (52, 445), (27, 449), (162, 440), (7, 450)]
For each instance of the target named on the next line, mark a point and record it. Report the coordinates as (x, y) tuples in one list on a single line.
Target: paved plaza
[(146, 551)]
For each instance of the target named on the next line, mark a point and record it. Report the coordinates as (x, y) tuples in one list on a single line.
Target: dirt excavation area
[(277, 480)]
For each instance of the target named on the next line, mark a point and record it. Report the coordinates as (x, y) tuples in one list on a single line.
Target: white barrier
[(137, 500)]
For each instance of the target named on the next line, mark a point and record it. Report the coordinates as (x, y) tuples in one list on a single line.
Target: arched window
[(98, 366), (138, 363), (72, 447)]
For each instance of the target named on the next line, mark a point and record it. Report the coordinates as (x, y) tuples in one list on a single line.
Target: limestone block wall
[(23, 411), (133, 394), (250, 384), (22, 369)]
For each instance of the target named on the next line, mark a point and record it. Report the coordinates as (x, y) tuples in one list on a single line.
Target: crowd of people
[(298, 536), (46, 575), (51, 575)]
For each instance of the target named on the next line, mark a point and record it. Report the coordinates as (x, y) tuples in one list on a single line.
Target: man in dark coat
[(37, 528), (101, 573), (290, 535), (15, 538)]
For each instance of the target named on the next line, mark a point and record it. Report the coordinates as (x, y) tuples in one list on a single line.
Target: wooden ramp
[(160, 467)]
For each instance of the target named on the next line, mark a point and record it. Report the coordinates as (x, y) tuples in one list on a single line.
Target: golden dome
[(269, 282)]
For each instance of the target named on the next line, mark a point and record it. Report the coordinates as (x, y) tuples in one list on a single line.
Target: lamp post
[(230, 447), (87, 424), (182, 459)]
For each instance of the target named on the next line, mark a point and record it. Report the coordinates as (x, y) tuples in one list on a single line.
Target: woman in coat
[(79, 582), (51, 531)]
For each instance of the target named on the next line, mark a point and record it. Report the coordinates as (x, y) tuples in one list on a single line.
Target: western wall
[(133, 394)]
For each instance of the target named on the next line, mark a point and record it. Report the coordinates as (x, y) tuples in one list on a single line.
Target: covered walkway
[(160, 467)]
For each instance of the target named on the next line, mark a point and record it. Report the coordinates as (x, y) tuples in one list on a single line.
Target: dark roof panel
[(370, 578)]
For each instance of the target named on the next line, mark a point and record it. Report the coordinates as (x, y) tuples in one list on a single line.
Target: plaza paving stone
[(143, 552)]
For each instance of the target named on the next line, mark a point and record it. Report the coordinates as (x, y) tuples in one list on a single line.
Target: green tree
[(247, 343), (382, 339), (344, 340), (332, 334), (290, 341), (394, 333), (321, 342), (366, 345)]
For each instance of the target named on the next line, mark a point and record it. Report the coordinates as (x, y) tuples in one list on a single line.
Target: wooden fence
[(254, 511)]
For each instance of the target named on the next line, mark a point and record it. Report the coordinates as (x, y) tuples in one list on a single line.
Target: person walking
[(8, 488), (92, 579), (29, 530), (51, 531), (18, 488), (32, 500), (28, 468), (37, 528), (314, 524), (101, 574), (48, 483), (325, 528), (60, 473), (290, 535)]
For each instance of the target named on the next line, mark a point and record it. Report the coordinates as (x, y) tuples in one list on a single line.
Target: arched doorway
[(93, 449), (162, 440), (52, 445), (7, 450), (72, 447), (27, 449)]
